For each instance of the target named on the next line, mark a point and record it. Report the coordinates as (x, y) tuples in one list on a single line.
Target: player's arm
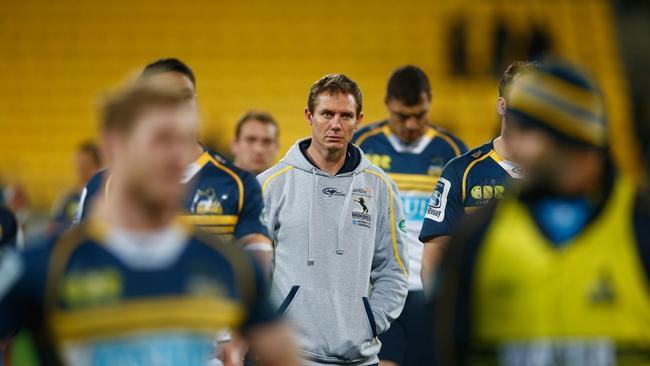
[(444, 210), (389, 273), (12, 272), (250, 231), (451, 304), (270, 341)]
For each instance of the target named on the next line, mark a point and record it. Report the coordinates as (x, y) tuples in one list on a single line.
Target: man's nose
[(411, 123), (336, 123)]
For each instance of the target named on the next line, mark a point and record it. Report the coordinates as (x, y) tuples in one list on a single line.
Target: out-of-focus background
[(57, 57)]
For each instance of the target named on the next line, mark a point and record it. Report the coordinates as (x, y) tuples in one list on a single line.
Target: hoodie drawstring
[(310, 260), (344, 216)]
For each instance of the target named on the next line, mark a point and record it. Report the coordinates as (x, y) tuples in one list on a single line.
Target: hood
[(297, 159)]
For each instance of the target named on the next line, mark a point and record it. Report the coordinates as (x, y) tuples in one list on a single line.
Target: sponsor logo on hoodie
[(360, 213), (331, 191)]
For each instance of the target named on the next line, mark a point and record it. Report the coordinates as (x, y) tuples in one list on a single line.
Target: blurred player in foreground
[(470, 181), (221, 199), (255, 147), (87, 161), (413, 153), (558, 275), (339, 234), (130, 285)]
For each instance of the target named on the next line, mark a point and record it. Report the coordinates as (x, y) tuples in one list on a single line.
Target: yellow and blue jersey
[(415, 168), (85, 299), (512, 293), (221, 198), (470, 181)]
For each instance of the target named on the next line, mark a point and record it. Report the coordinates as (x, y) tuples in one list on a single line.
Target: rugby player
[(472, 180), (131, 285), (221, 198), (558, 274), (255, 146), (413, 152)]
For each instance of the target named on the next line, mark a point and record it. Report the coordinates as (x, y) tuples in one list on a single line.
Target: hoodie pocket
[(332, 326), (287, 300), (371, 316)]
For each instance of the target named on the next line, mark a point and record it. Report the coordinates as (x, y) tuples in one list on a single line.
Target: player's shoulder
[(219, 166), (96, 181), (368, 132), (449, 138), (464, 161)]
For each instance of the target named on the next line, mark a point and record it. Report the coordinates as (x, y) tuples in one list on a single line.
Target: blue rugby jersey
[(467, 182), (221, 198), (88, 297)]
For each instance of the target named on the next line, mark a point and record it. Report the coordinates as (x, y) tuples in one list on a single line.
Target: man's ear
[(359, 121), (233, 147), (501, 106), (308, 116)]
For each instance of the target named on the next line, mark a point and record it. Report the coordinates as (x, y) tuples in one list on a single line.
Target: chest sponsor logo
[(92, 287), (438, 201), (382, 161), (487, 192), (205, 202), (365, 191), (361, 213), (332, 192)]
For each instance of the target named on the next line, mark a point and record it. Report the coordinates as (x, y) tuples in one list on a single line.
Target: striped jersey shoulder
[(368, 132), (462, 162)]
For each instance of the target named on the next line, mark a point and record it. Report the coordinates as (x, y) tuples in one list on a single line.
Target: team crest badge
[(205, 202)]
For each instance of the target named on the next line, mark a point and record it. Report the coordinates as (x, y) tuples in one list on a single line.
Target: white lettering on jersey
[(438, 201)]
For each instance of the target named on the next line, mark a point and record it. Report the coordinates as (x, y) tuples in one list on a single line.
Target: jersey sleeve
[(261, 311), (22, 285), (445, 206), (12, 273), (250, 221)]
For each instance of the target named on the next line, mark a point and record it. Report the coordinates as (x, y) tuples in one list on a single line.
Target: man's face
[(409, 123), (85, 165), (334, 120), (257, 146), (152, 157)]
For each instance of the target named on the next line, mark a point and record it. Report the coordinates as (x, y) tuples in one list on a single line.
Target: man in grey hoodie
[(339, 235)]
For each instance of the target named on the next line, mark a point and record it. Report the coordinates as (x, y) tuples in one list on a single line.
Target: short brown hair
[(91, 149), (331, 84), (513, 70), (121, 111), (254, 115)]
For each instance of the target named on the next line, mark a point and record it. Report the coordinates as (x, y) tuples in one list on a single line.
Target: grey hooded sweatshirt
[(340, 254)]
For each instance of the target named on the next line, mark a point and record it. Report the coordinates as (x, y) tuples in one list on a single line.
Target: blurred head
[(513, 71), (256, 142), (171, 74), (408, 100), (556, 120), (149, 139), (87, 161), (334, 111)]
